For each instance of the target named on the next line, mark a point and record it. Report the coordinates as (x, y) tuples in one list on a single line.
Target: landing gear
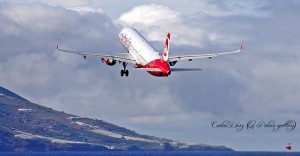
[(124, 71)]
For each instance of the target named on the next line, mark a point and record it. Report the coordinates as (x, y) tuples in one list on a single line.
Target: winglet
[(242, 45), (57, 44), (165, 54)]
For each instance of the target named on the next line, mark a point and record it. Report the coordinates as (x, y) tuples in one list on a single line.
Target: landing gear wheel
[(124, 71)]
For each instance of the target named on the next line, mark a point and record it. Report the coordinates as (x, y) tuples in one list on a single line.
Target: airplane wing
[(122, 57), (199, 56)]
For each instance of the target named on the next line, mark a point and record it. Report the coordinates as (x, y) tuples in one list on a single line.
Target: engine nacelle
[(172, 63), (109, 62)]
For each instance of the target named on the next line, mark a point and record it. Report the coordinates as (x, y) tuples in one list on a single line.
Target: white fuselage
[(138, 47)]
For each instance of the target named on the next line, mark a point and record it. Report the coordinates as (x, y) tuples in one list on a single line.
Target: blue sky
[(260, 84)]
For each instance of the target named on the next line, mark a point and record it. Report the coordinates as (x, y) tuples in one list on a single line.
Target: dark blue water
[(154, 153)]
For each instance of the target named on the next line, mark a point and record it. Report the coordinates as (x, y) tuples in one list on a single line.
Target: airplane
[(143, 56)]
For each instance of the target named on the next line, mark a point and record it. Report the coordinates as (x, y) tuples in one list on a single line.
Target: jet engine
[(172, 63), (109, 62)]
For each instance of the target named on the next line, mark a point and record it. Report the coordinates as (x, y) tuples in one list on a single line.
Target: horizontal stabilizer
[(185, 69)]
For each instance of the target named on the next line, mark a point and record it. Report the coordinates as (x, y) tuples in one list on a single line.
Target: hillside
[(26, 126), (6, 92)]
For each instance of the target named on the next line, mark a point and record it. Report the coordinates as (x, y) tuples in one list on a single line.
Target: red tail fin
[(165, 53)]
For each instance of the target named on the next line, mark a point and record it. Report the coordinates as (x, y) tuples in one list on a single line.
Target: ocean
[(155, 153)]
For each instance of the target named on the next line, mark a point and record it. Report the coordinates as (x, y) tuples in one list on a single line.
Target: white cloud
[(157, 20), (35, 18), (146, 15), (66, 4), (87, 9), (231, 8)]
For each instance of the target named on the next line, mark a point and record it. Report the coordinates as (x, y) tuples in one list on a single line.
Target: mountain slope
[(26, 126), (6, 92)]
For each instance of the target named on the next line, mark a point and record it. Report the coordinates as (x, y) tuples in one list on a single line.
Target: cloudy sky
[(261, 84)]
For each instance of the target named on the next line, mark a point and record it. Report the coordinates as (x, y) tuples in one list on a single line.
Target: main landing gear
[(124, 71)]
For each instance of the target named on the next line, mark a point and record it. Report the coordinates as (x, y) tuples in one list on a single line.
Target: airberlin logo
[(125, 41), (287, 126)]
